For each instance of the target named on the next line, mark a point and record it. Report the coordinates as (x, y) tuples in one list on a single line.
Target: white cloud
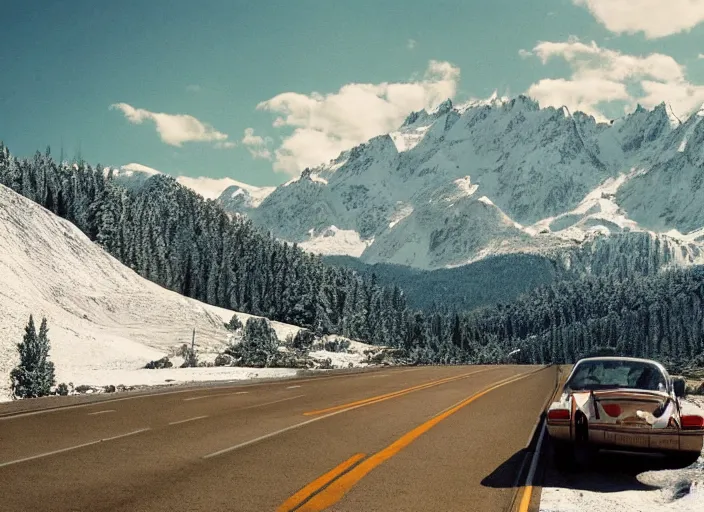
[(173, 129), (655, 18), (325, 125), (194, 88), (411, 44), (700, 56), (256, 145), (228, 144), (601, 75), (578, 95)]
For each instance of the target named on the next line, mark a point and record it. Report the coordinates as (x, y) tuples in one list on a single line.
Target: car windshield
[(595, 375)]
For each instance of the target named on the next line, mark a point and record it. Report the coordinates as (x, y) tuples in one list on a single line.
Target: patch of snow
[(465, 187), (409, 138), (292, 181), (142, 377), (316, 178), (692, 125), (334, 241), (353, 357), (493, 100), (597, 212), (400, 214)]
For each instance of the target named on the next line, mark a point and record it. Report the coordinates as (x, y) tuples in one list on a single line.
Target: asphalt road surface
[(398, 439)]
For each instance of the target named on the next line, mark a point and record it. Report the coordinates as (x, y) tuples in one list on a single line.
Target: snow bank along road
[(422, 438)]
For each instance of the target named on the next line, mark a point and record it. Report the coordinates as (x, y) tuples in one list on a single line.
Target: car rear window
[(595, 375)]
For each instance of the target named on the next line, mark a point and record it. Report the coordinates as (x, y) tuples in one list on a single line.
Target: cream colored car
[(625, 404)]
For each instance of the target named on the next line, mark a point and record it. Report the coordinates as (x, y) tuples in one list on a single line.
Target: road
[(406, 439)]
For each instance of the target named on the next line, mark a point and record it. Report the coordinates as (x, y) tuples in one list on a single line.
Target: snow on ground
[(402, 211), (598, 211), (142, 377), (334, 241), (354, 355), (628, 483), (104, 320), (407, 139)]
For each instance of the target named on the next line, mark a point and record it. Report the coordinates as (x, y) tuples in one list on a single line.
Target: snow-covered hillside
[(464, 182), (105, 321)]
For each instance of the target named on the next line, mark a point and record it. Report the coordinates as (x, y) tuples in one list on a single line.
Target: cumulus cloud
[(257, 145), (326, 124), (411, 44), (600, 75), (655, 18), (174, 129)]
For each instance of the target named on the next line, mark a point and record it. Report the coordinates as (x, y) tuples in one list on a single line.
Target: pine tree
[(34, 376)]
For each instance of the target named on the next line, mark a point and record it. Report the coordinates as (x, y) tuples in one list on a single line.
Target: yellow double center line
[(341, 479), (394, 394)]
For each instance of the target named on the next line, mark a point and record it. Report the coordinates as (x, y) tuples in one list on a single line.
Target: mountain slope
[(466, 182), (102, 316)]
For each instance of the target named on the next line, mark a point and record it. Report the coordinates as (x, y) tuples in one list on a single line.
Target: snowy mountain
[(232, 193), (106, 322), (461, 183)]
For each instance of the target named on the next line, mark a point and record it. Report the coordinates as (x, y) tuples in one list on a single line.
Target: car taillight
[(613, 410), (692, 421), (558, 414)]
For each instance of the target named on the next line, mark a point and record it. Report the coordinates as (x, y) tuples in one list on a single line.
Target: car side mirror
[(679, 386)]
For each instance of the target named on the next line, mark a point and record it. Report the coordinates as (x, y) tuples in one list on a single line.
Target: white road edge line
[(100, 412), (293, 387), (536, 458), (186, 421), (56, 452), (270, 403), (214, 395)]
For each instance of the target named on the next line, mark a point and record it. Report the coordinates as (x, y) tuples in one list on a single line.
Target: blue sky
[(196, 88)]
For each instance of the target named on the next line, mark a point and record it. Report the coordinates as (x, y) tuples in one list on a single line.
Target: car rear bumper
[(665, 440)]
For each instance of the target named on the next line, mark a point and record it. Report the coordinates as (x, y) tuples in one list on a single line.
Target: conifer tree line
[(658, 316), (172, 236)]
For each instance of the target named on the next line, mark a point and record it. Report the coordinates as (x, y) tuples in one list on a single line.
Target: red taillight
[(613, 410), (558, 414), (692, 422)]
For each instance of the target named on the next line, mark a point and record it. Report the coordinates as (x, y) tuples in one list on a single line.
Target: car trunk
[(629, 418)]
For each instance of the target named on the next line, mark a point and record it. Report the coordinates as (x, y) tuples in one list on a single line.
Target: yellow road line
[(317, 484), (394, 394), (338, 488), (525, 500)]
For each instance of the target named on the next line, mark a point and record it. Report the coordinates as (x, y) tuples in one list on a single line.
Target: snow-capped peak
[(561, 173)]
